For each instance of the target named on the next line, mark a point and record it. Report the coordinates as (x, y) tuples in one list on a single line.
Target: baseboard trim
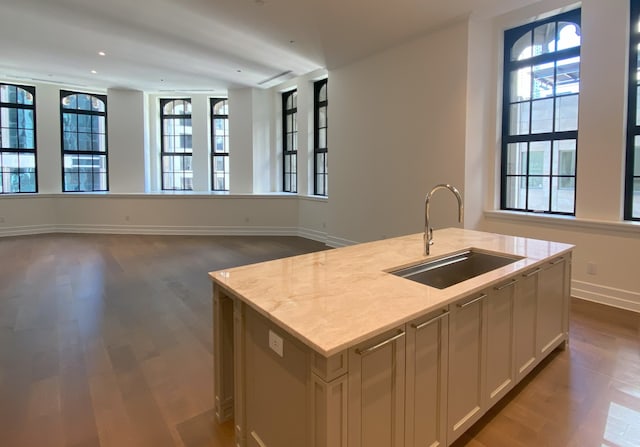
[(623, 299), (306, 233), (336, 242), (314, 235), (156, 230), (180, 230), (27, 230)]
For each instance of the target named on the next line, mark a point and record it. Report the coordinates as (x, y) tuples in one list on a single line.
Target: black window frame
[(511, 36), (18, 150), (289, 145), (92, 153), (164, 153), (633, 117), (320, 171), (214, 155)]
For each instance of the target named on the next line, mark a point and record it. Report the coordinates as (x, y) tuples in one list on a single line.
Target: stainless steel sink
[(445, 272)]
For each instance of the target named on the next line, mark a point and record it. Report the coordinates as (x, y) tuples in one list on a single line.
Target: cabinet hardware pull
[(557, 261), (530, 274), (469, 303), (428, 322), (381, 344), (509, 284)]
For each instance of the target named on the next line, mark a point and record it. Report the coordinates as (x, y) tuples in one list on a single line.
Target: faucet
[(428, 231)]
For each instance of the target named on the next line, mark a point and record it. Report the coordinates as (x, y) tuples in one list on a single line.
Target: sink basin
[(445, 272)]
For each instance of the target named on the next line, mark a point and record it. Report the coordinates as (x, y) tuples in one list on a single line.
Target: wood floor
[(107, 341)]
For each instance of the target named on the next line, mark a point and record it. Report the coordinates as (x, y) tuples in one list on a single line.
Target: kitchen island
[(331, 349)]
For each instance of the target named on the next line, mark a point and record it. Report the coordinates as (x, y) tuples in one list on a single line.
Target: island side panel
[(223, 352)]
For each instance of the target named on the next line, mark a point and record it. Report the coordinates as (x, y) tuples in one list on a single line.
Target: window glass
[(632, 170), (220, 144), (83, 118), (17, 139), (540, 119), (290, 139), (176, 144)]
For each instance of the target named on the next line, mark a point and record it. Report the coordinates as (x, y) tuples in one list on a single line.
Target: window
[(320, 138), (17, 139), (632, 178), (84, 141), (219, 144), (176, 150), (540, 115), (290, 138)]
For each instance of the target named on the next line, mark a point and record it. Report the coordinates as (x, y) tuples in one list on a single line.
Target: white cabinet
[(500, 376), (481, 355), (376, 389), (524, 315), (467, 359), (426, 385), (552, 315)]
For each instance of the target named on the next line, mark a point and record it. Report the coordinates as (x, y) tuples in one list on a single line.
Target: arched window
[(290, 140), (632, 177), (320, 151), (176, 145), (219, 144), (17, 139), (84, 141), (540, 115)]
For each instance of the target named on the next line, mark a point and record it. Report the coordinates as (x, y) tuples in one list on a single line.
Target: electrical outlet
[(276, 343), (1, 219), (592, 268)]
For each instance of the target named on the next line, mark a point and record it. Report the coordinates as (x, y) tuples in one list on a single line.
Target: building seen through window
[(290, 141), (320, 150), (632, 177), (540, 115), (219, 144), (17, 139), (84, 141), (176, 144)]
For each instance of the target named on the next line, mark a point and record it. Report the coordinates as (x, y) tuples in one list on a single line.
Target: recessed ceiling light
[(94, 72), (102, 53)]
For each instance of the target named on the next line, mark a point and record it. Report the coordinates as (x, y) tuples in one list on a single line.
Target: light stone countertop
[(334, 299)]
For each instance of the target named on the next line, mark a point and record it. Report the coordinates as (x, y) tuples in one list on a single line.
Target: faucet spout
[(428, 231)]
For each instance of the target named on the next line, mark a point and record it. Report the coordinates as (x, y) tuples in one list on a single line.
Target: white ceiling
[(208, 45)]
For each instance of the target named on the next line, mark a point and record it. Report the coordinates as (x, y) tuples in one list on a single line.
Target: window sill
[(565, 222)]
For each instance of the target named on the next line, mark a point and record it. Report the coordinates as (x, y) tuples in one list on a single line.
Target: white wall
[(151, 214), (264, 157), (396, 129), (240, 140), (126, 138)]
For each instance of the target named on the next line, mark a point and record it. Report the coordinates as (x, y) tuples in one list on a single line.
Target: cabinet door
[(466, 365), (500, 376), (376, 392), (552, 310), (427, 347), (524, 314)]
